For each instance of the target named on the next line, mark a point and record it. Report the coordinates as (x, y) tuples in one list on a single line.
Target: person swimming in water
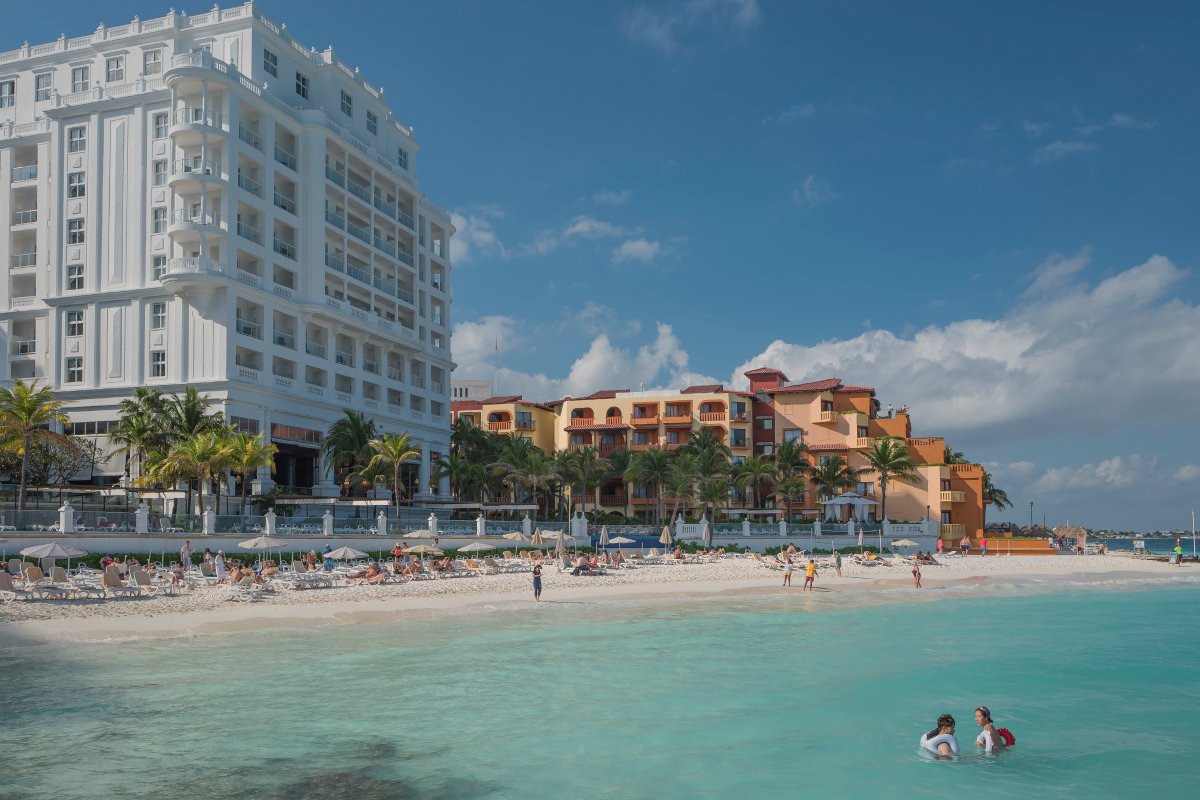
[(941, 740), (991, 738)]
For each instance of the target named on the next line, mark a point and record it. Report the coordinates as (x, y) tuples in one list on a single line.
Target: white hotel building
[(203, 201)]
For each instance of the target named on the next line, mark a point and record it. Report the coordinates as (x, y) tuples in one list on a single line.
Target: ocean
[(761, 697)]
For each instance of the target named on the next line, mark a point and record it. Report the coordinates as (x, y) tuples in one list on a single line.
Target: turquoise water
[(754, 698)]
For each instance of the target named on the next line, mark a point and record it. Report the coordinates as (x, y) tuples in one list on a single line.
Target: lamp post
[(1031, 516)]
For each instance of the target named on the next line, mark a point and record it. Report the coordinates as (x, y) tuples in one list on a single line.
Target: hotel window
[(865, 488), (302, 85), (76, 139), (863, 431), (158, 364), (824, 460), (793, 435), (827, 405), (763, 423), (160, 173), (158, 316), (76, 184), (372, 122), (75, 370), (74, 323), (159, 265), (75, 277), (76, 233), (114, 69), (160, 126), (945, 484), (159, 220), (270, 63), (8, 91), (737, 437), (402, 157), (244, 424), (41, 86), (347, 104), (79, 79), (152, 62)]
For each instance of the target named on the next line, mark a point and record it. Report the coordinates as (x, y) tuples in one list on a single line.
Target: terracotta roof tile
[(824, 448), (765, 371), (603, 394), (501, 399), (466, 405), (812, 386), (705, 388), (849, 388)]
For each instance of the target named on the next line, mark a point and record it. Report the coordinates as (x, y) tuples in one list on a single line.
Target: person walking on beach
[(185, 554), (1178, 552), (965, 545), (787, 572), (219, 566), (983, 545), (537, 583), (810, 572), (940, 546), (837, 563), (916, 573)]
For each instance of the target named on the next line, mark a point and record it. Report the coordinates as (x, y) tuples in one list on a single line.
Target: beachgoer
[(185, 552), (791, 551), (220, 567), (941, 740), (581, 564), (678, 554), (1178, 552), (397, 551), (537, 583), (916, 570), (988, 738), (940, 546), (176, 573), (208, 556), (310, 560), (268, 570), (328, 561), (787, 572), (983, 545), (965, 545), (810, 572), (837, 562)]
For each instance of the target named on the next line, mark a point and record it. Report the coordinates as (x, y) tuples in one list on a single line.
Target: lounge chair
[(142, 581), (244, 590), (112, 583), (15, 567), (479, 569), (34, 575), (7, 587)]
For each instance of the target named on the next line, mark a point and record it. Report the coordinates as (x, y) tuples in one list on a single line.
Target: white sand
[(206, 610)]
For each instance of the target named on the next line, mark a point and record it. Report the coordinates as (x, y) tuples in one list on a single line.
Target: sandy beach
[(207, 610)]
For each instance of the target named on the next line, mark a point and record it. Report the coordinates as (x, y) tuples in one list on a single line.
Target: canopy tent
[(856, 503)]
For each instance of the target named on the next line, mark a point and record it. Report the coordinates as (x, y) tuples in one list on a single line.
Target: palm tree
[(651, 469), (714, 493), (754, 472), (466, 438), (952, 456), (390, 452), (791, 458), (682, 482), (889, 459), (589, 468), (711, 464), (995, 496), (347, 443), (705, 441), (789, 489), (566, 467), (198, 458), (138, 436), (27, 411), (834, 476), (619, 462), (452, 466), (187, 414), (248, 453), (511, 463)]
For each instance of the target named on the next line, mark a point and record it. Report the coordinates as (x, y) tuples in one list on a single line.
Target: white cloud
[(1122, 121), (1186, 473), (474, 235), (795, 113), (1070, 357), (813, 193), (1116, 472), (641, 250), (1036, 129), (611, 197), (1061, 149), (671, 28), (1057, 271), (579, 227)]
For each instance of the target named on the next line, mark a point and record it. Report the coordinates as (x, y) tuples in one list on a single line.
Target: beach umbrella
[(904, 543), (706, 535), (620, 540), (53, 550), (421, 534), (257, 543), (665, 538), (603, 536), (515, 536), (476, 547), (425, 549), (537, 540), (345, 553)]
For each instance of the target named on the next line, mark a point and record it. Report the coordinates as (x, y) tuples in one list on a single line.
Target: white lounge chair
[(112, 583), (7, 587)]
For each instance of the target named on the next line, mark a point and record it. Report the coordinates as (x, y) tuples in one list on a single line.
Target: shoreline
[(206, 612)]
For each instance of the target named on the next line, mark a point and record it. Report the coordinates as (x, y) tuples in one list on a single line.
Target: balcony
[(712, 416), (738, 416), (828, 416), (187, 174), (523, 425), (250, 137), (285, 249), (190, 126), (608, 448), (287, 158), (22, 260), (335, 176), (24, 217), (406, 221), (371, 366), (646, 444), (358, 232), (286, 203), (581, 422), (26, 173), (417, 380), (335, 263), (187, 225), (864, 441), (283, 339), (315, 349), (343, 358), (250, 185), (739, 445), (247, 328), (676, 417), (500, 426), (249, 232), (395, 374), (195, 265), (953, 529), (954, 497), (22, 347), (614, 499), (359, 191), (645, 420)]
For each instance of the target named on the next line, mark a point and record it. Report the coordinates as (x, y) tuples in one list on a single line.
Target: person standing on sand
[(965, 545), (810, 572), (940, 546), (837, 562), (916, 574), (1178, 552), (537, 583), (185, 554), (983, 545), (787, 572)]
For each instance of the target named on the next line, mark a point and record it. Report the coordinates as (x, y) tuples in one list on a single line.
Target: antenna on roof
[(496, 373)]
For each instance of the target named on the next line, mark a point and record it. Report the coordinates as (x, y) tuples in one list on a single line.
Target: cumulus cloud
[(1061, 149), (661, 362), (474, 235), (1121, 121), (673, 27), (1070, 357), (812, 193), (612, 197), (582, 226), (641, 250), (1116, 472), (1187, 473)]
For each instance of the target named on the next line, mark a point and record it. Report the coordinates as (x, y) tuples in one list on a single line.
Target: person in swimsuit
[(537, 583), (983, 545), (787, 573), (941, 740), (965, 545), (917, 573), (810, 572), (987, 738), (837, 562)]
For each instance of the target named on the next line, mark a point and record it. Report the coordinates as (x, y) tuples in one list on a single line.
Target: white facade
[(203, 201), (469, 389)]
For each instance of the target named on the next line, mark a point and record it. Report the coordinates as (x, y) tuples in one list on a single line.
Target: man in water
[(941, 740)]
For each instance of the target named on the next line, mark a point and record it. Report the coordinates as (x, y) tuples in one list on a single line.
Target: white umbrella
[(262, 543), (706, 536), (620, 540), (603, 536), (537, 540), (425, 549), (476, 547), (421, 534), (53, 550), (345, 553), (665, 538), (904, 543), (515, 536)]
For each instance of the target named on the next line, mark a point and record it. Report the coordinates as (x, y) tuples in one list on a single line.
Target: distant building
[(467, 389), (829, 417)]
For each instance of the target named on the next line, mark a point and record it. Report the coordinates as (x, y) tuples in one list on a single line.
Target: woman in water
[(941, 740), (989, 738)]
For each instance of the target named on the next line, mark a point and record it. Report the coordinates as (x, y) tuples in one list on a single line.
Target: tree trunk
[(24, 473), (883, 497)]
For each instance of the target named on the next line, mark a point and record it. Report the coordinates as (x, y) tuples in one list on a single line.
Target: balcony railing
[(358, 273), (199, 116), (250, 185), (194, 264), (187, 166), (24, 217), (286, 158), (285, 249), (406, 220), (358, 232), (500, 425), (18, 260), (283, 339), (953, 529), (404, 257), (23, 347), (404, 294), (712, 416), (247, 328), (250, 137), (344, 358), (249, 232), (395, 374), (370, 365), (437, 387), (644, 419), (315, 349), (26, 173), (581, 422), (333, 262), (359, 191), (334, 219), (417, 380), (863, 441), (286, 203), (335, 176), (523, 425), (827, 416), (185, 217), (385, 207), (612, 499), (954, 497)]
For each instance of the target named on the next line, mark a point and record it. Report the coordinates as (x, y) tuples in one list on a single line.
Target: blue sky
[(986, 213)]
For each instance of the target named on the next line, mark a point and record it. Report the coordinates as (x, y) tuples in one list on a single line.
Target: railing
[(361, 192), (953, 529), (953, 497), (283, 339), (612, 499), (581, 422), (285, 249), (315, 349), (248, 278), (863, 441), (395, 374), (199, 116), (26, 173), (738, 416), (247, 374), (828, 416), (344, 358), (247, 328), (23, 301), (18, 260), (417, 380), (333, 262), (283, 291), (334, 219), (194, 264), (523, 425), (316, 391), (647, 419), (437, 387), (404, 294), (23, 347), (250, 185), (370, 366), (249, 232), (404, 257), (189, 167), (184, 217), (406, 220), (958, 469), (283, 382), (345, 397), (385, 207), (286, 158), (24, 217), (712, 416), (386, 247), (676, 419), (358, 273), (358, 232), (926, 440), (286, 203), (250, 137), (335, 176), (501, 425)]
